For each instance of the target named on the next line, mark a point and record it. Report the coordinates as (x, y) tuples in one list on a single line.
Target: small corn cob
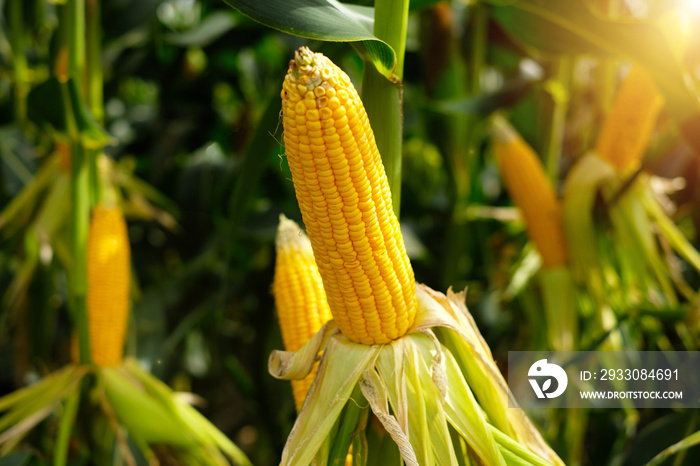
[(108, 285), (527, 183), (630, 124), (345, 202), (301, 303)]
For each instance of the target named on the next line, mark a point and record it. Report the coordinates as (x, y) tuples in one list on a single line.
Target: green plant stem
[(557, 108), (383, 98), (75, 13), (95, 80), (478, 46), (74, 35), (94, 88), (19, 59), (80, 224)]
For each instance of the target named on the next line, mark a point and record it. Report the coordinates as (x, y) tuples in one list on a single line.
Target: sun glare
[(692, 7)]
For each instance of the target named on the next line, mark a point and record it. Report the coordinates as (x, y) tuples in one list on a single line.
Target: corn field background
[(178, 101)]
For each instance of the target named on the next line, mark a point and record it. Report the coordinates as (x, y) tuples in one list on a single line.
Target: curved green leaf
[(327, 20)]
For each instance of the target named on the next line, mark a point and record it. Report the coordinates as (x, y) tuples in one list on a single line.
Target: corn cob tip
[(291, 236), (303, 56), (501, 130)]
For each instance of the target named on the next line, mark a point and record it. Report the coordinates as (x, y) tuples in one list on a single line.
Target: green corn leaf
[(570, 28), (669, 229), (15, 213), (324, 20), (506, 443)]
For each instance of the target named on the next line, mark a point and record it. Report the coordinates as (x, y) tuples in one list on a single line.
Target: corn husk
[(436, 393), (617, 255)]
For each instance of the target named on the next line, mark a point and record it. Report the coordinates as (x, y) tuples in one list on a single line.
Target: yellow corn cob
[(345, 202), (527, 183), (630, 124), (301, 303), (108, 285)]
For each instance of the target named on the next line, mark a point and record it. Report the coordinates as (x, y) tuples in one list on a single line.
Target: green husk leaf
[(427, 358), (296, 366), (510, 445), (375, 391), (29, 406), (399, 378), (456, 328), (57, 378), (26, 421), (580, 191), (341, 367), (467, 417), (189, 418), (349, 419), (141, 414), (65, 427)]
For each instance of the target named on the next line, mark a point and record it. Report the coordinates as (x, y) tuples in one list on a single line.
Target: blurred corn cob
[(630, 124), (527, 183), (345, 202), (301, 302), (108, 285)]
